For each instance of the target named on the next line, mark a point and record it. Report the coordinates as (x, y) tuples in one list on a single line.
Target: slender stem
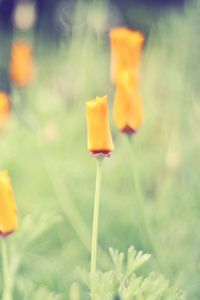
[(143, 217), (96, 217), (6, 278)]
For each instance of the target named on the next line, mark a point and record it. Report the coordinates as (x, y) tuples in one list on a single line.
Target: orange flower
[(126, 48), (4, 108), (4, 105), (21, 67), (128, 113), (99, 136), (8, 211)]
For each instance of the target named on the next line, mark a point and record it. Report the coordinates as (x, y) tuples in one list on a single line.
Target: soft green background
[(44, 150)]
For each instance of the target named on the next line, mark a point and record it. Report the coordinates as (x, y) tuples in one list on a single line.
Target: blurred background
[(43, 140)]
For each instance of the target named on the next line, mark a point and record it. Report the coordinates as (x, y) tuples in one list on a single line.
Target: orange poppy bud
[(128, 113), (21, 66), (8, 211), (4, 108), (4, 104), (99, 136), (126, 46)]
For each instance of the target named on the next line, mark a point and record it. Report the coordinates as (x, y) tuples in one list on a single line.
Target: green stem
[(96, 217), (7, 293), (143, 217)]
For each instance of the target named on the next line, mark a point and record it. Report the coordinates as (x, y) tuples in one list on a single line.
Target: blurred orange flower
[(4, 108), (4, 104), (126, 46), (8, 211), (128, 112), (22, 65), (99, 136)]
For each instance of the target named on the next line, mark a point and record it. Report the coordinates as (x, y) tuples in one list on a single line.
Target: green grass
[(44, 150)]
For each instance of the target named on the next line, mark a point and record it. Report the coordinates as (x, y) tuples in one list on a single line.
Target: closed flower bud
[(128, 112), (99, 136), (21, 66), (4, 109), (126, 46), (8, 211), (4, 104)]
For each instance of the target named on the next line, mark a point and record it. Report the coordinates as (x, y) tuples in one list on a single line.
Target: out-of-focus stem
[(96, 217), (141, 211), (7, 292), (74, 293)]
